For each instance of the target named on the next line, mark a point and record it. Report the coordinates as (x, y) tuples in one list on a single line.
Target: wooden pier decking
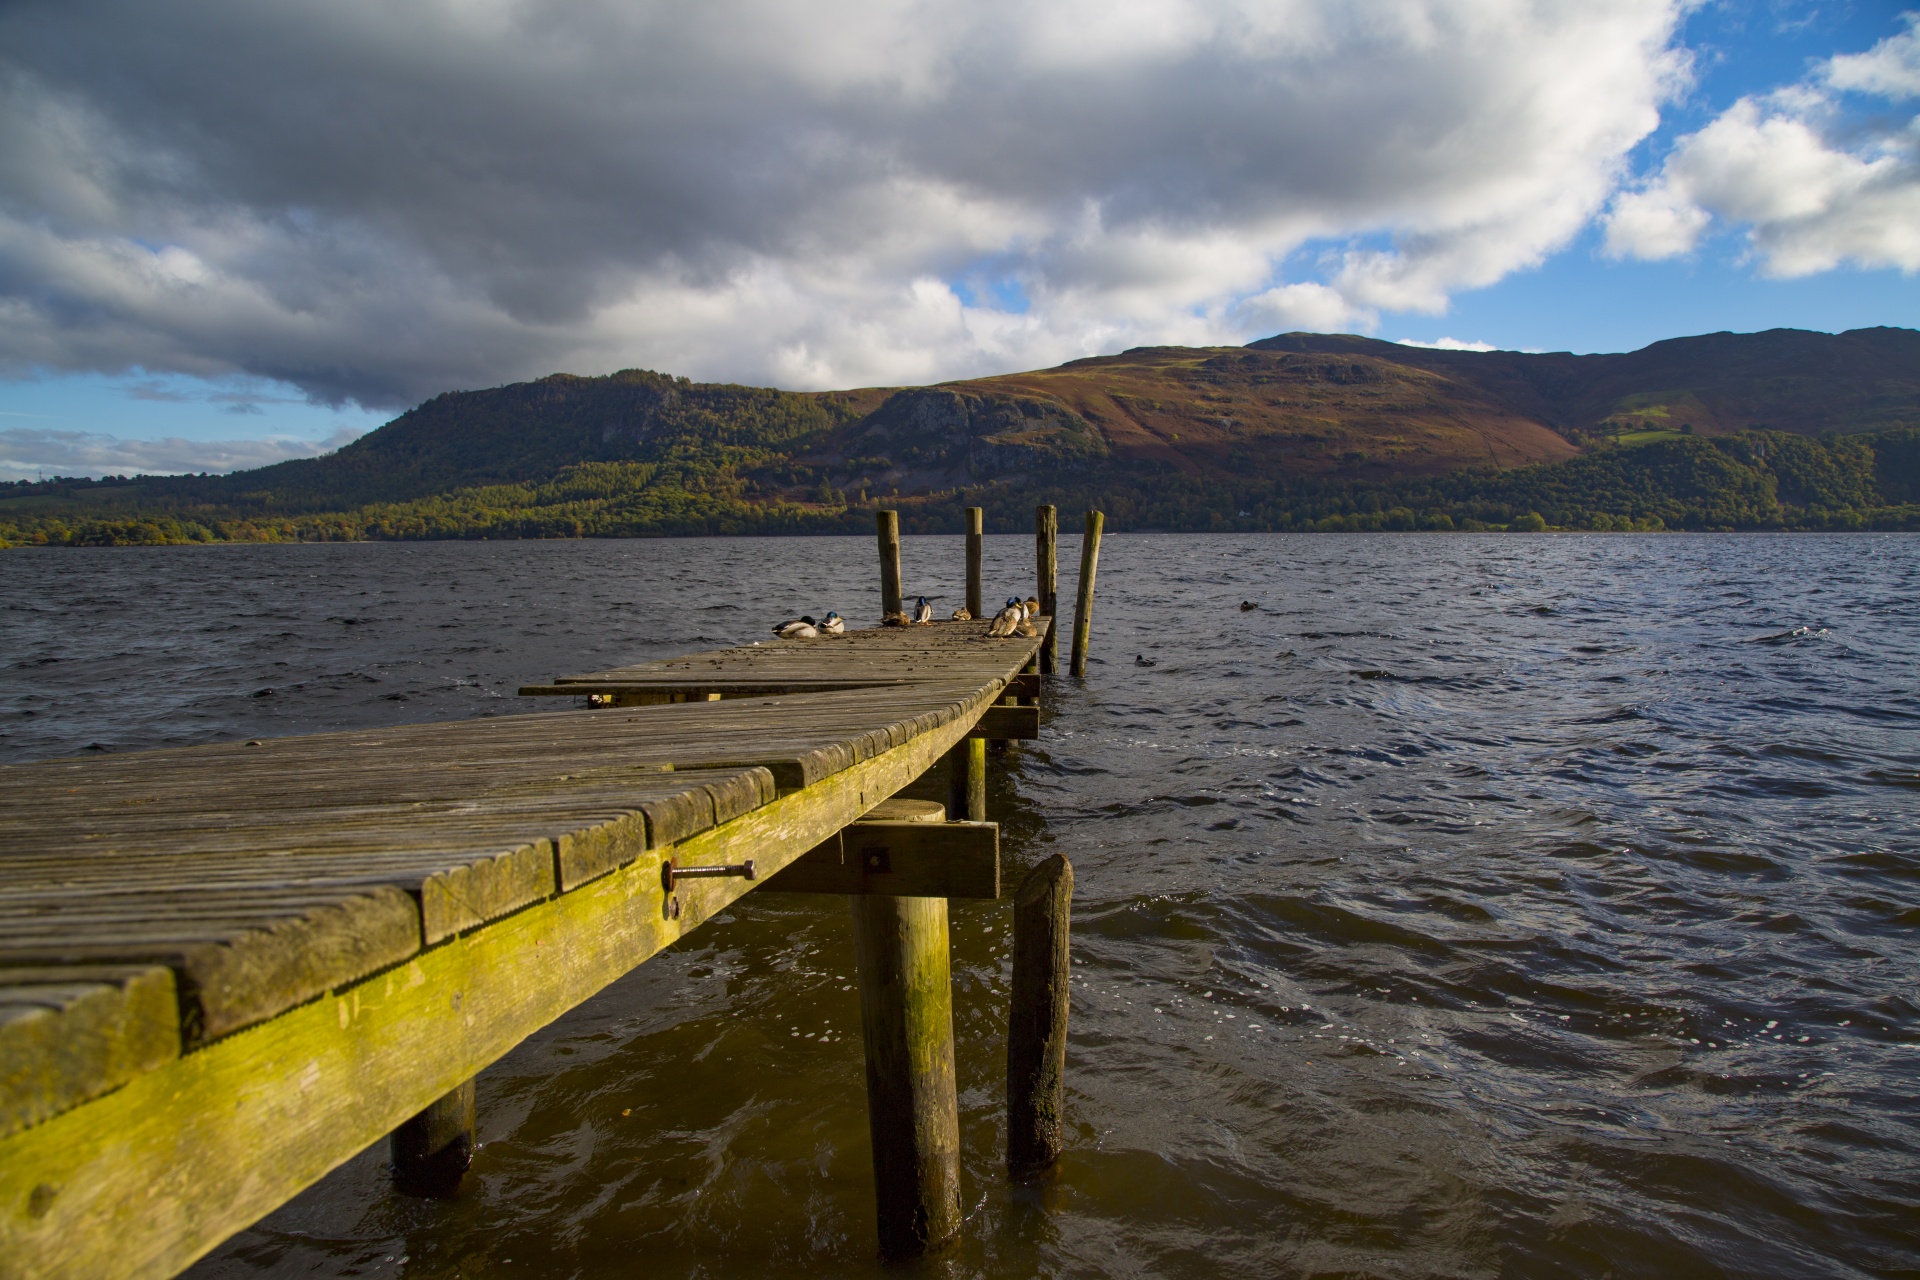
[(225, 970)]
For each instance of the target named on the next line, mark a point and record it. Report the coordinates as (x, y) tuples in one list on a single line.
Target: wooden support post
[(1083, 608), (1046, 529), (967, 780), (1037, 1022), (976, 552), (913, 1112), (431, 1152), (889, 522)]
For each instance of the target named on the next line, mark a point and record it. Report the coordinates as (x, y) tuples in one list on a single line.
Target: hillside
[(1181, 437), (1719, 383)]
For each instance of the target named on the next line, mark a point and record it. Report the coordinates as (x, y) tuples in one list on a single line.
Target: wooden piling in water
[(431, 1152), (1037, 1021), (967, 780), (913, 1113), (889, 527), (1046, 530), (976, 553), (1083, 607)]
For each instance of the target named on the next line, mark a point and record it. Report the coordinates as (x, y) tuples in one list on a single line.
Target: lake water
[(1476, 906)]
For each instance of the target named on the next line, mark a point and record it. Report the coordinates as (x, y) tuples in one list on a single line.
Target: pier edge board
[(142, 1182)]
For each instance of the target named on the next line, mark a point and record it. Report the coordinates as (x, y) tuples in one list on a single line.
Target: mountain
[(1184, 437), (1780, 379)]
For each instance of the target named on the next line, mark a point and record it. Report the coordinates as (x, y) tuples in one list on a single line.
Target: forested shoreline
[(1750, 481)]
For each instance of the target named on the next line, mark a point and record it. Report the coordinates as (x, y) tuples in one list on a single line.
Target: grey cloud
[(378, 202), (26, 453)]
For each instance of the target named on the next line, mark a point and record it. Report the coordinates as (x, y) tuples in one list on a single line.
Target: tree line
[(1750, 481)]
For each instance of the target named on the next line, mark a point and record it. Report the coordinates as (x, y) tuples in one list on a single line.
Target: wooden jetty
[(225, 970)]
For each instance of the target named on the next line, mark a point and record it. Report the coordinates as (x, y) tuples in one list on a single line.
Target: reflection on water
[(1478, 905)]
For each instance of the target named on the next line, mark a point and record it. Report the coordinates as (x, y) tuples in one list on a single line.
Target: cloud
[(27, 453), (1812, 188), (1447, 344), (1891, 69), (376, 202)]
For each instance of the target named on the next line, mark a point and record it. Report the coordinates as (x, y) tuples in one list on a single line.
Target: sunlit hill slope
[(1284, 432)]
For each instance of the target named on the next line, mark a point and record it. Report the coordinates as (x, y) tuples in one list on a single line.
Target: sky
[(232, 233)]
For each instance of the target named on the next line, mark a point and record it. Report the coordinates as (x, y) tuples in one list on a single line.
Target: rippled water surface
[(1474, 906)]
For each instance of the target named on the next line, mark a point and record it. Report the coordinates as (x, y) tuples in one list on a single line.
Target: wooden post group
[(906, 987)]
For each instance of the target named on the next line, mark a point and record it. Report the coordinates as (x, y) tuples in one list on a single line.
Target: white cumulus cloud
[(1810, 194), (1447, 344), (377, 202)]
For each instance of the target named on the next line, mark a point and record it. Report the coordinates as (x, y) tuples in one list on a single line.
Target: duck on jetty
[(800, 628), (833, 624), (923, 612), (1008, 618), (963, 614)]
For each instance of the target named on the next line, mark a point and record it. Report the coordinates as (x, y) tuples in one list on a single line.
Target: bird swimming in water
[(1008, 618), (1248, 606), (963, 614), (801, 628), (923, 612), (833, 624), (1142, 660)]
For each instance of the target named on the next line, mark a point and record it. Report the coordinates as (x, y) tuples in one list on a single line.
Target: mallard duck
[(923, 612), (1008, 618), (1142, 660), (896, 620), (1032, 606), (1248, 606), (963, 614), (1025, 627), (833, 624), (801, 628)]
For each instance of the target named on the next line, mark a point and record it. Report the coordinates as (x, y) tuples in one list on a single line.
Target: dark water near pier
[(1477, 906)]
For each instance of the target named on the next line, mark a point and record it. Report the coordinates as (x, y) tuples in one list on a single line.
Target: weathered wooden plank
[(68, 1035), (742, 687), (235, 977), (474, 892), (142, 1181), (483, 802), (254, 904), (902, 859)]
